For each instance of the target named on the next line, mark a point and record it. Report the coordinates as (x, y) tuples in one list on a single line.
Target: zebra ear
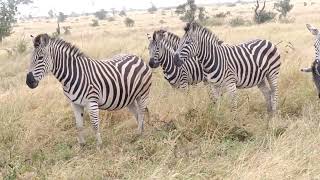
[(165, 35), (312, 29), (41, 39), (306, 69), (149, 37)]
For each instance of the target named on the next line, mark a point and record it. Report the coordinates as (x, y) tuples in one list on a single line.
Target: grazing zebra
[(315, 67), (254, 63), (161, 50), (123, 81)]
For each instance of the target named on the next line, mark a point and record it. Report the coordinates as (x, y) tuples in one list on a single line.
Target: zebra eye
[(40, 57)]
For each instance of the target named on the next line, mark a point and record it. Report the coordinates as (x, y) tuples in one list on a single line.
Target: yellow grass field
[(186, 137)]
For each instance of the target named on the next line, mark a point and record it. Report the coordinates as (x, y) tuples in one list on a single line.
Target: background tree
[(284, 7), (129, 22), (61, 17), (152, 9), (102, 14), (188, 12), (8, 10), (113, 11), (51, 13), (123, 13), (262, 16)]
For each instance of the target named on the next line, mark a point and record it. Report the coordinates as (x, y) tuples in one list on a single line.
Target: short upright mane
[(194, 26), (73, 48)]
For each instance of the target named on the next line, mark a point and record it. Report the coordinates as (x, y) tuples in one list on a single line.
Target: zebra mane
[(66, 45), (196, 27), (169, 40)]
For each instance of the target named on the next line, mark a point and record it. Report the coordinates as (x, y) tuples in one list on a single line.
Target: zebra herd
[(125, 80)]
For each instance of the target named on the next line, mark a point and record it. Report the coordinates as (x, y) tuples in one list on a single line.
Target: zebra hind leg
[(133, 108), (78, 113), (94, 117), (214, 93), (232, 91), (263, 87), (273, 82)]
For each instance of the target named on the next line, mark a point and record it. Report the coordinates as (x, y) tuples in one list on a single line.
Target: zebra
[(253, 63), (161, 50), (122, 81), (315, 67)]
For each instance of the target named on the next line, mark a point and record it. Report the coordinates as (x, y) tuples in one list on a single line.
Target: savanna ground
[(187, 137)]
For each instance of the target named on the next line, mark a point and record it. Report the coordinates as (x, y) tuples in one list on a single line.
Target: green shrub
[(111, 19), (214, 22), (265, 16), (237, 21), (22, 46), (94, 23), (129, 22)]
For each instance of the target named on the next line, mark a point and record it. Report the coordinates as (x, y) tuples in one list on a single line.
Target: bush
[(110, 19), (264, 17), (214, 22), (129, 22), (94, 23), (222, 14), (237, 21), (123, 13), (284, 7), (287, 20), (305, 3), (61, 17), (162, 21), (102, 14), (66, 30), (22, 46), (152, 9)]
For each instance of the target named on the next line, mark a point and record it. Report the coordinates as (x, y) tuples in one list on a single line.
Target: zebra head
[(315, 67), (188, 46), (155, 48), (41, 62)]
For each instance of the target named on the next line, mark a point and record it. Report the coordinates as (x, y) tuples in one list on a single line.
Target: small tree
[(262, 16), (61, 17), (51, 13), (188, 12), (66, 30), (113, 11), (123, 13), (284, 7), (152, 9), (8, 10), (94, 23), (129, 22), (102, 14)]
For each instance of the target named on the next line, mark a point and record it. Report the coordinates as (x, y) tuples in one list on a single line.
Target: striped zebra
[(161, 50), (123, 81), (315, 67), (253, 63)]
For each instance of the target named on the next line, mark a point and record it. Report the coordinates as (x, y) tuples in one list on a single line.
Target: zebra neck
[(67, 66), (167, 62)]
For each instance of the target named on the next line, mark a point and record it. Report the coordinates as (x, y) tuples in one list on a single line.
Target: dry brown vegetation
[(186, 137)]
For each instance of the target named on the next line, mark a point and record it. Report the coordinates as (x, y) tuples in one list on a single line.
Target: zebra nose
[(152, 63), (177, 61), (30, 81)]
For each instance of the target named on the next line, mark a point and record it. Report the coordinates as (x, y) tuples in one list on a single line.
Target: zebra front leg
[(273, 81), (78, 113), (232, 91), (214, 93), (94, 117), (266, 93)]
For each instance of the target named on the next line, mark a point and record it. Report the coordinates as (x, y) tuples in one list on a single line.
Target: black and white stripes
[(123, 81), (161, 50), (254, 63)]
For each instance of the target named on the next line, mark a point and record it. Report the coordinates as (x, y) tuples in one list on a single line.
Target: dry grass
[(186, 137)]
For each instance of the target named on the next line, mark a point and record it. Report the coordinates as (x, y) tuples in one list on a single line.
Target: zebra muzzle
[(177, 61), (153, 63), (30, 81)]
